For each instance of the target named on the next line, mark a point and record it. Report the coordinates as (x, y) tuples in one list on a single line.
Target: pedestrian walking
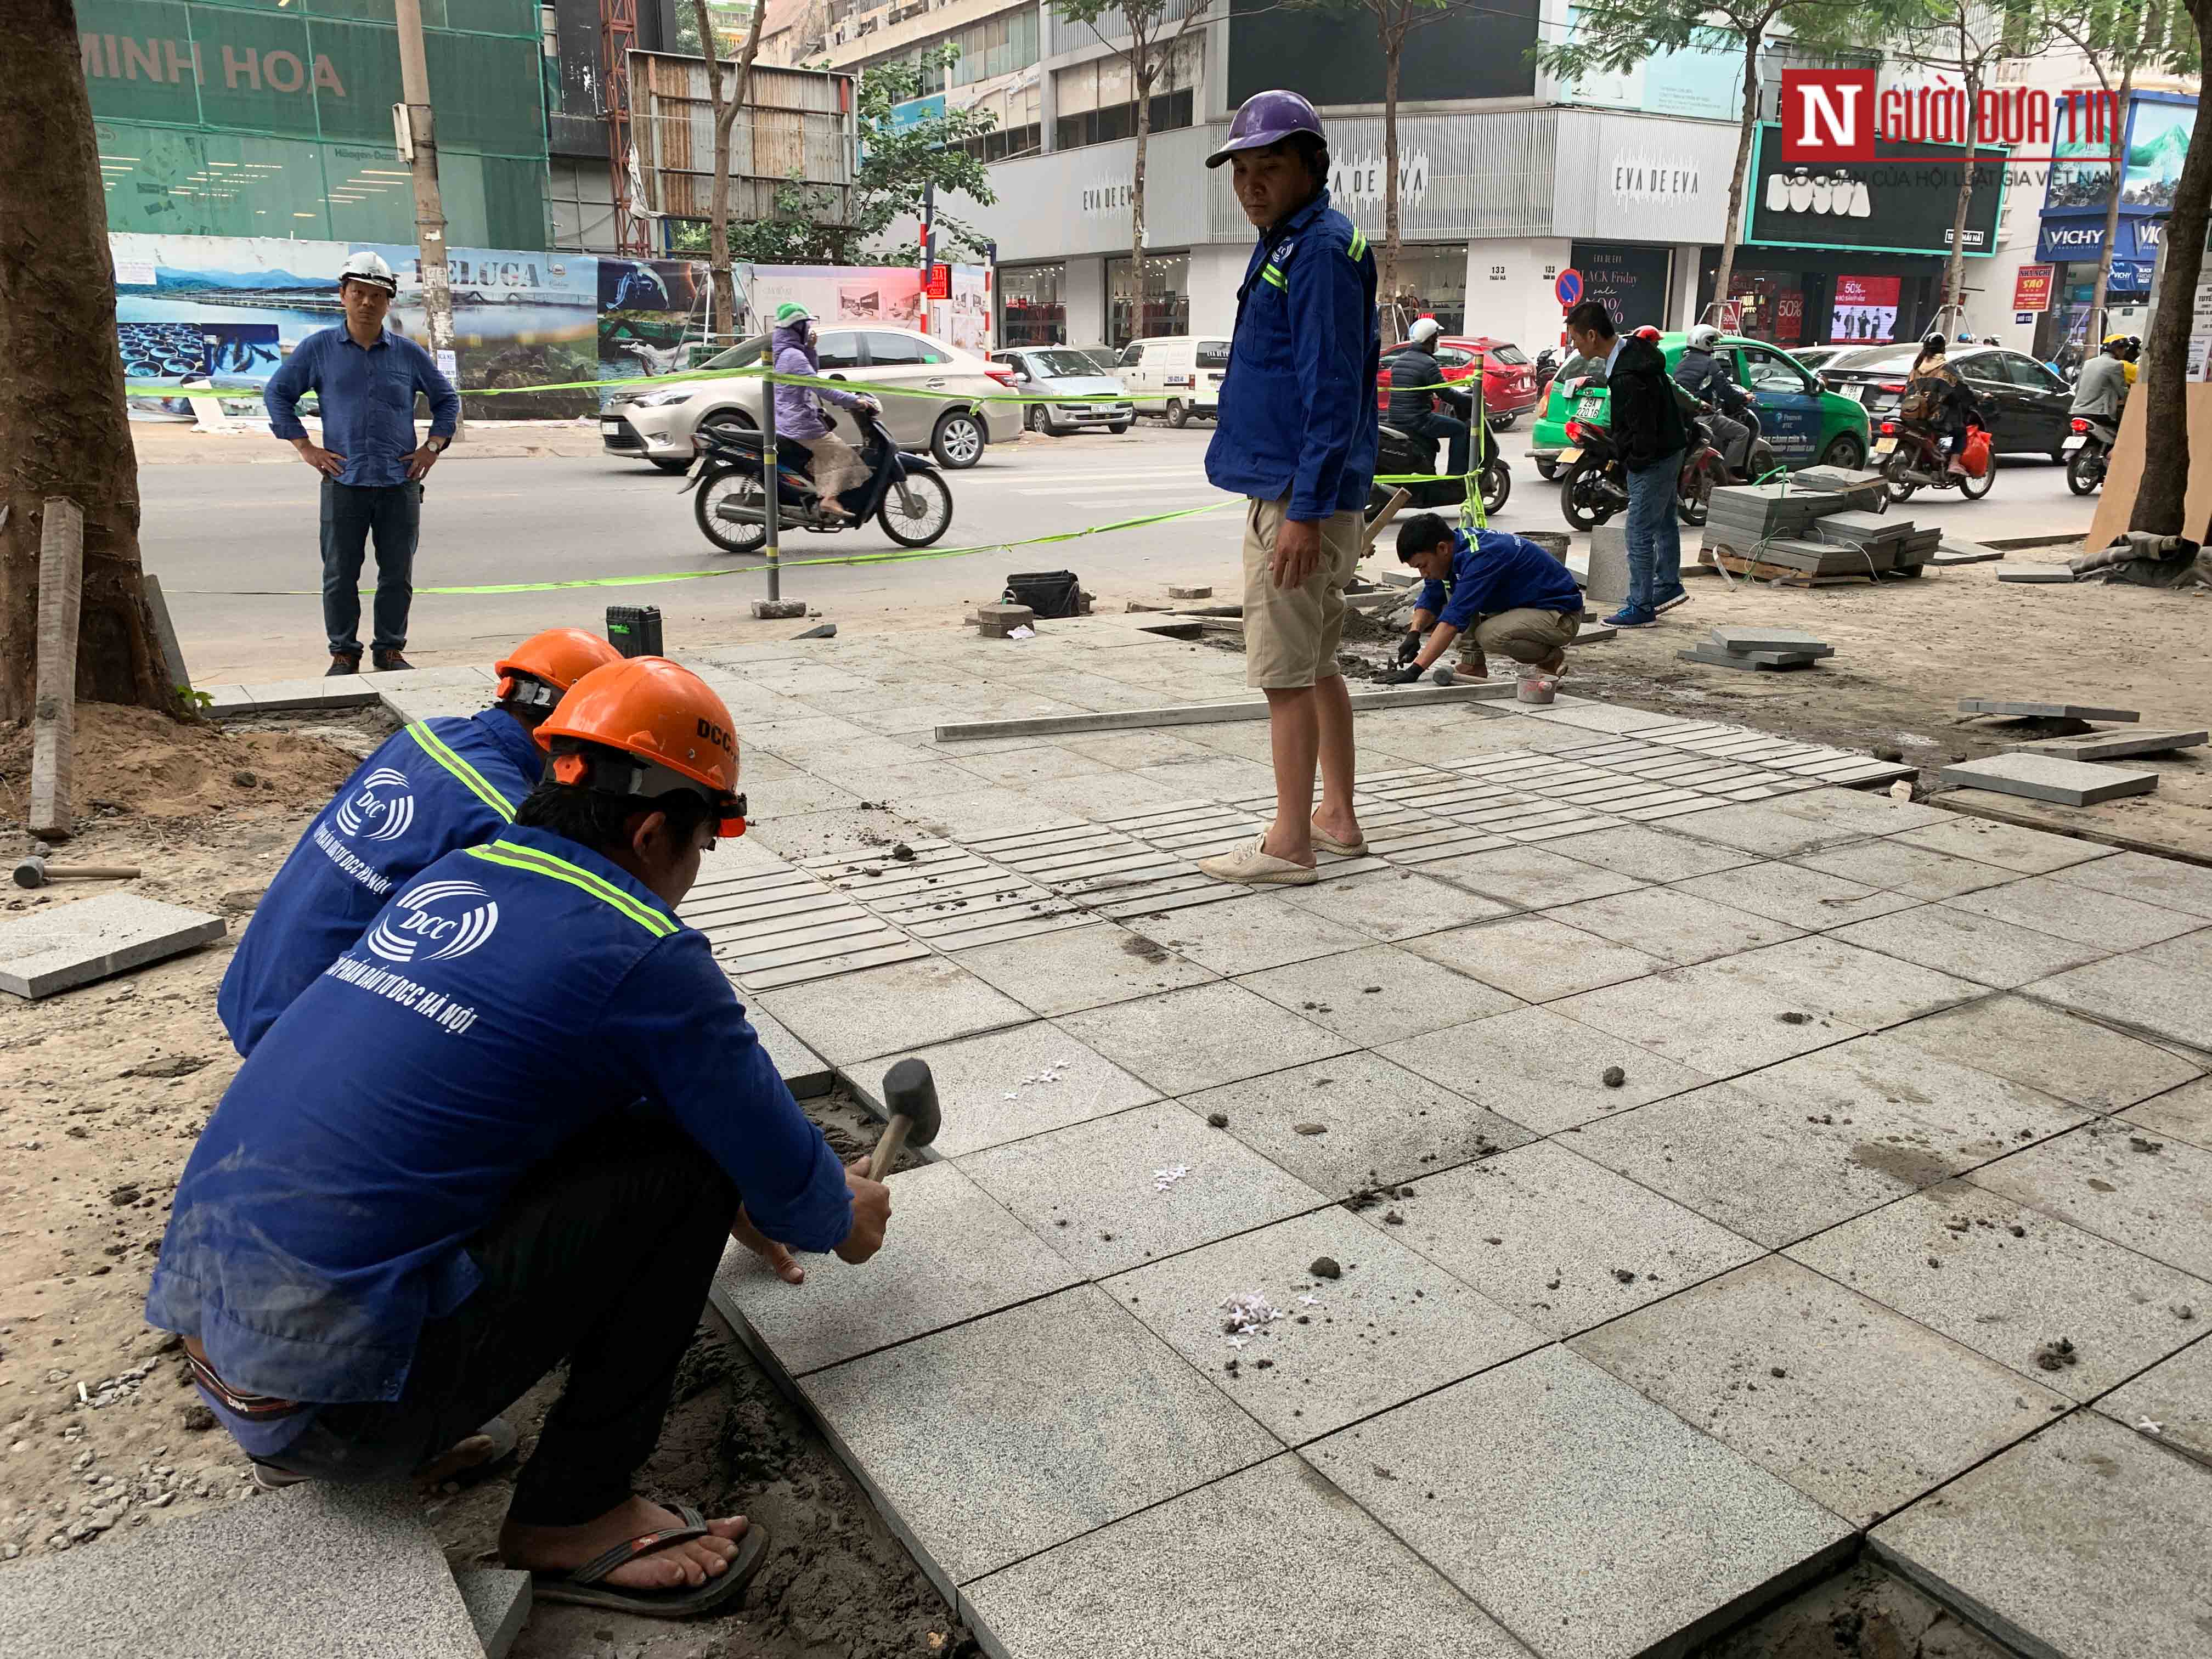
[(1297, 437), (373, 469), (1648, 430)]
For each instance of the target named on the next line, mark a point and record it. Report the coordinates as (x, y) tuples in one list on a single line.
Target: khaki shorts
[(1524, 636), (1291, 634)]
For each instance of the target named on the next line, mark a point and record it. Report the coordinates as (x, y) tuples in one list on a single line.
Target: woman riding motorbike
[(1936, 398), (835, 466)]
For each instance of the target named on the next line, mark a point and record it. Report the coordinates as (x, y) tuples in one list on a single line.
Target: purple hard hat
[(1265, 118)]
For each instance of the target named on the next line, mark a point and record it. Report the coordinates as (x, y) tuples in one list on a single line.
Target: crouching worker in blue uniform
[(512, 1126), (1489, 591), (439, 784)]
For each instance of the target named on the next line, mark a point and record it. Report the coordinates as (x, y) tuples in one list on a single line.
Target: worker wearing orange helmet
[(439, 784), (514, 1125)]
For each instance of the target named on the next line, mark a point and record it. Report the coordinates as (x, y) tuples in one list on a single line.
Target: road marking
[(1099, 476), (1132, 486)]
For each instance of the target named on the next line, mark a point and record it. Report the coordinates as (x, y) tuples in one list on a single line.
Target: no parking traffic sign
[(1569, 288)]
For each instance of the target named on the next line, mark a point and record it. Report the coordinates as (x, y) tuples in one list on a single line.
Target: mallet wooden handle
[(888, 1148), (1374, 528), (94, 872)]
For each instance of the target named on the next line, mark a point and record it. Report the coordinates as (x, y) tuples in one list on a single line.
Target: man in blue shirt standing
[(436, 786), (372, 467), (1296, 436), (513, 1124), (1488, 590)]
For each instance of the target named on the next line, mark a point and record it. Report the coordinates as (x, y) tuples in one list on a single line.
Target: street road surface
[(235, 545)]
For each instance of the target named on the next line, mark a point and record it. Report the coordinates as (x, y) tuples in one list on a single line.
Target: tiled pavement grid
[(1647, 1170)]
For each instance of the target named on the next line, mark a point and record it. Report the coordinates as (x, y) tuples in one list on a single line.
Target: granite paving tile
[(1676, 927), (2083, 915), (1200, 1036), (1535, 957), (1393, 1326), (2030, 852), (1204, 1576), (1649, 854), (975, 814), (2049, 1049), (1376, 1122), (1763, 828), (1540, 1069), (1806, 899), (1007, 1085), (1968, 946), (1104, 1179), (885, 1011), (1901, 867), (1530, 878), (1837, 980), (2087, 1541), (1246, 934), (1379, 994), (2111, 1179), (960, 1255), (2184, 1112), (2008, 1282), (1576, 1245), (53, 948), (1593, 1523), (1035, 761), (1082, 968), (2164, 989), (2166, 882), (1860, 812), (1714, 1018), (1210, 777), (1393, 904), (1858, 1407), (1103, 793), (2174, 1397), (1003, 1437)]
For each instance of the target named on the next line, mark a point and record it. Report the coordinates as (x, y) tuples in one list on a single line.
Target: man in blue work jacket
[(1488, 590), (438, 785), (372, 467), (514, 1125), (1296, 435)]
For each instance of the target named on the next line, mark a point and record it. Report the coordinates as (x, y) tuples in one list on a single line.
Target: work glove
[(1410, 647), (1402, 676)]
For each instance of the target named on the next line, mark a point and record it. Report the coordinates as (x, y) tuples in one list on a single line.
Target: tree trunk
[(64, 429), (1142, 69), (1393, 55), (725, 118), (2159, 498), (2112, 206), (1955, 274), (1747, 131)]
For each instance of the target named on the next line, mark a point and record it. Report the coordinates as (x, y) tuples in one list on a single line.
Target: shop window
[(1033, 301), (1166, 305), (1431, 281), (1103, 126)]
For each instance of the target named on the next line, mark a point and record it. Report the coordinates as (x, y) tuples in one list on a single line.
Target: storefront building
[(2071, 233)]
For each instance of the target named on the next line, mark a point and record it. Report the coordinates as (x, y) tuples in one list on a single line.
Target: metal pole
[(429, 206), (770, 484)]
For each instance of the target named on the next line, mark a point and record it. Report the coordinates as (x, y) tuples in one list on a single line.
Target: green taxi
[(1801, 423)]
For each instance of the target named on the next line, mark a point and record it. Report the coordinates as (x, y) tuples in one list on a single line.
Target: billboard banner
[(1881, 206), (1864, 310)]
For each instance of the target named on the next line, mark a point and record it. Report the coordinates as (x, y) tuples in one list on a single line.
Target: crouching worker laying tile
[(511, 1126), (1489, 591)]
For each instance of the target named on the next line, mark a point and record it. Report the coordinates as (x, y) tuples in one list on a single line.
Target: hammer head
[(31, 871), (910, 1093)]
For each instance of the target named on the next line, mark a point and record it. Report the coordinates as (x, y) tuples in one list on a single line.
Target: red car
[(1509, 381)]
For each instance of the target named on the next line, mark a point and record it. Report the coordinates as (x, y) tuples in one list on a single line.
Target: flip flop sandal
[(583, 1587)]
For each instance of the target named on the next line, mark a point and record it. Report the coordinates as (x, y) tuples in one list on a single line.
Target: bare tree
[(1964, 38), (65, 427), (725, 118)]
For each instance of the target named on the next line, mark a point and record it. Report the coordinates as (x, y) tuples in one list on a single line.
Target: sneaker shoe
[(388, 662), (1256, 866), (342, 664), (1625, 617), (1682, 597)]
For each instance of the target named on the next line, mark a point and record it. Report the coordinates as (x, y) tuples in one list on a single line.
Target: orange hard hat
[(675, 733), (556, 659)]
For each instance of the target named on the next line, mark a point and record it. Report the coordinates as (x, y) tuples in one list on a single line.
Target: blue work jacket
[(437, 786), (1493, 572), (369, 400), (507, 997), (1297, 405)]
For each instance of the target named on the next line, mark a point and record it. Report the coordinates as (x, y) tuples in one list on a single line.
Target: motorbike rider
[(1416, 383), (1936, 400), (2104, 382), (835, 467), (1704, 377)]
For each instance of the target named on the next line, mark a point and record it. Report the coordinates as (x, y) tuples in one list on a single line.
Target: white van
[(1176, 375)]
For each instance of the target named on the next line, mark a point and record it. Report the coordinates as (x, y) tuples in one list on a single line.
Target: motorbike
[(905, 492), (1401, 452), (1546, 370), (1594, 483), (1912, 456), (2084, 467)]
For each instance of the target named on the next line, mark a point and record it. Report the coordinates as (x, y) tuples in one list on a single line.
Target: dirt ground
[(1861, 1613)]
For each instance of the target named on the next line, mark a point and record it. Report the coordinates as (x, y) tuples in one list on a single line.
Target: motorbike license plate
[(1569, 457), (1589, 409), (1885, 446)]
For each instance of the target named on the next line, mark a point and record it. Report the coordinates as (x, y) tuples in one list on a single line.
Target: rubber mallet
[(910, 1101), (36, 872)]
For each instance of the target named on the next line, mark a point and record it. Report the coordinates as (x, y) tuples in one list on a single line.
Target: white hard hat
[(1704, 336), (1424, 328), (367, 267)]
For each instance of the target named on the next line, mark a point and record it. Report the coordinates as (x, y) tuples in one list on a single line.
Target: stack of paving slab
[(1957, 550), (1815, 533), (1857, 491), (1754, 648), (2065, 770)]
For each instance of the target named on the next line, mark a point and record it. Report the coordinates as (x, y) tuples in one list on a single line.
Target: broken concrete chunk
[(1325, 1267)]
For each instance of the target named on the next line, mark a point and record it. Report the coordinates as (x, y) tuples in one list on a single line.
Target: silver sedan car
[(951, 423), (1081, 395)]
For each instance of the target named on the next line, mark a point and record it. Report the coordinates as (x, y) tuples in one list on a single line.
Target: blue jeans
[(1435, 426), (352, 513), (1655, 537)]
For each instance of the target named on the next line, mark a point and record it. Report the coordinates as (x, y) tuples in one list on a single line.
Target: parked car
[(2032, 407), (1802, 422), (1509, 379), (1090, 398), (1175, 375), (657, 425), (1103, 358)]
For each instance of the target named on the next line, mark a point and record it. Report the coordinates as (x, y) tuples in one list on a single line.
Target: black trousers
[(602, 1257)]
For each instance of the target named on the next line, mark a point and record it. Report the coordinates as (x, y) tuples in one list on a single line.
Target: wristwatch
[(436, 445)]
